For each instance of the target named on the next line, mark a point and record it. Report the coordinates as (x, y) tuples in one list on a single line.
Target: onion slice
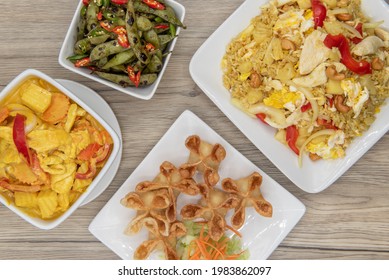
[(308, 94), (352, 30), (310, 138)]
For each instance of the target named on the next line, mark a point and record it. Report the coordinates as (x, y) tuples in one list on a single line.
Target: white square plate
[(260, 235), (313, 177)]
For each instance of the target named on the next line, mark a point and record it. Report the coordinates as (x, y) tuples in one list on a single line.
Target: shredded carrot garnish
[(234, 231), (205, 248)]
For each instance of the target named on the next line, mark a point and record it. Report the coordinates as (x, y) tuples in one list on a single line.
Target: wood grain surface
[(349, 220)]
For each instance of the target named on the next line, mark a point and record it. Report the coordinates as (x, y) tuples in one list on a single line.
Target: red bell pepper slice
[(134, 77), (82, 62), (102, 153), (319, 13), (154, 4), (292, 134), (89, 151), (306, 107), (339, 41), (119, 2), (90, 173), (19, 137), (326, 124), (262, 117), (357, 40)]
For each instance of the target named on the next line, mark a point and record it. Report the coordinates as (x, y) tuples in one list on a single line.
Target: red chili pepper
[(319, 13), (326, 124), (119, 2), (306, 107), (106, 25), (357, 40), (262, 117), (134, 77), (19, 137), (149, 47), (100, 16), (122, 36), (291, 137), (154, 4), (339, 41), (85, 2), (82, 62), (161, 26)]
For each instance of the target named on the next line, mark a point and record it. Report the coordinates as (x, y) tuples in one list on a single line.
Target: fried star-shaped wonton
[(160, 242), (212, 208), (151, 212), (248, 192), (170, 179), (205, 157)]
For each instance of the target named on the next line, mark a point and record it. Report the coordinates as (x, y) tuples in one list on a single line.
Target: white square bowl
[(313, 177), (50, 224), (144, 93)]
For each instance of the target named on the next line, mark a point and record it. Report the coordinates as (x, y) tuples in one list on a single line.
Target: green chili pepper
[(83, 11), (76, 57)]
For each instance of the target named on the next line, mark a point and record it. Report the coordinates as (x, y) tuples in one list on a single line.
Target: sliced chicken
[(314, 52)]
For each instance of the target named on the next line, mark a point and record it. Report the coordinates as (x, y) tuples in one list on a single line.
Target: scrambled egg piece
[(356, 96), (291, 19), (284, 99), (329, 149)]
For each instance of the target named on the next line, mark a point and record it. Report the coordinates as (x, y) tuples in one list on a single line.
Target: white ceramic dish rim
[(144, 93), (50, 224), (313, 177), (109, 223)]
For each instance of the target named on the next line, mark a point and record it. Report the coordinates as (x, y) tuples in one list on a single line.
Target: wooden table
[(349, 220)]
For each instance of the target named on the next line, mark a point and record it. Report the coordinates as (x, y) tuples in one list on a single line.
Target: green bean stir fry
[(124, 41)]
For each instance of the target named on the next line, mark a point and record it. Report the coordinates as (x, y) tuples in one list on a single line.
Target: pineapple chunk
[(47, 202), (36, 98), (28, 200)]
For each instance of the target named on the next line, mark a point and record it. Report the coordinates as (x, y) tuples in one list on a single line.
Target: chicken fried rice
[(315, 70)]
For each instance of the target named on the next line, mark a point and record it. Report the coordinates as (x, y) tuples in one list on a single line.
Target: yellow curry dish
[(51, 149), (317, 71)]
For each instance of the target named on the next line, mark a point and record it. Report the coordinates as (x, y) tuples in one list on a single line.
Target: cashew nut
[(333, 74), (344, 17), (338, 102), (287, 44), (314, 157), (255, 80), (377, 64)]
